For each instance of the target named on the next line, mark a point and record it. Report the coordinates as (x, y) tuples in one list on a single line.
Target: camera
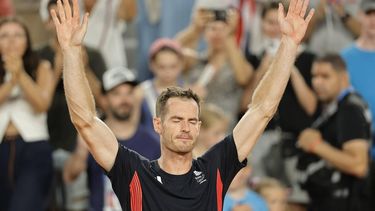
[(220, 15)]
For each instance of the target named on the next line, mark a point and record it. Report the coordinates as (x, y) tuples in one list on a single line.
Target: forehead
[(121, 88), (320, 67), (11, 26), (181, 107)]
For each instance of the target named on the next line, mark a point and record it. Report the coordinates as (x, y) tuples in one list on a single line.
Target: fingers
[(61, 11), (292, 6), (75, 10), (304, 8), (309, 16), (298, 7), (68, 11), (85, 21), (281, 13), (54, 17)]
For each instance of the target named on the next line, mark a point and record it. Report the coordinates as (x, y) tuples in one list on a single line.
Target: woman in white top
[(26, 86)]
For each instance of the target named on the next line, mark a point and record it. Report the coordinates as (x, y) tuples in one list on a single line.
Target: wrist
[(289, 42), (313, 145)]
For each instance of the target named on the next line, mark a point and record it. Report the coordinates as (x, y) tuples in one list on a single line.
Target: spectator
[(25, 94), (336, 147), (274, 193), (360, 59), (156, 19), (106, 27), (334, 26), (240, 194), (166, 62), (122, 119), (213, 128), (230, 70)]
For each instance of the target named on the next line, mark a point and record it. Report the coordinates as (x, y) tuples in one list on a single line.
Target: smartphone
[(220, 15)]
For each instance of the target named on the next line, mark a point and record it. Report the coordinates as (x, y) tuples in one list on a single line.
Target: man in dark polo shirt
[(336, 159), (175, 181)]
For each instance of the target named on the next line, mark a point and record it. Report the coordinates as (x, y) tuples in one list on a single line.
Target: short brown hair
[(333, 59), (172, 92)]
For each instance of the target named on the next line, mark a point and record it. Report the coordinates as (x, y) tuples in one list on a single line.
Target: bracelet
[(314, 144)]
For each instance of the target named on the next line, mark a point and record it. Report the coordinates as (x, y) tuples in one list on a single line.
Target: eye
[(193, 122)]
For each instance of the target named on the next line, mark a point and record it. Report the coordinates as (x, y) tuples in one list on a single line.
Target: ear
[(157, 125), (151, 65)]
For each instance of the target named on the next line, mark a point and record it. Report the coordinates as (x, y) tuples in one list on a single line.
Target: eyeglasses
[(15, 35)]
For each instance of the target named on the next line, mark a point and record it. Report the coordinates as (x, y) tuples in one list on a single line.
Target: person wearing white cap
[(175, 181)]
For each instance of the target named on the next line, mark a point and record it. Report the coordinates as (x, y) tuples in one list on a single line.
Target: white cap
[(116, 76)]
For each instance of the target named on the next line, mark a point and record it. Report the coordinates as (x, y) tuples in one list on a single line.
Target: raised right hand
[(70, 31)]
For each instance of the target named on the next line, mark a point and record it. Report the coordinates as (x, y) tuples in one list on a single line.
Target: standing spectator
[(360, 59), (26, 87), (230, 70), (106, 27), (274, 193), (336, 147), (334, 26)]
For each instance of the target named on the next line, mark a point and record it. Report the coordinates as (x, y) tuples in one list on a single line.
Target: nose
[(185, 126)]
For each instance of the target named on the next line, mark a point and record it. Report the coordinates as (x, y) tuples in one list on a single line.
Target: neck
[(176, 164), (122, 129), (366, 42)]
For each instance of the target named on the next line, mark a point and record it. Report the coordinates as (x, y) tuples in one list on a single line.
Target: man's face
[(179, 127), (167, 66), (120, 101), (368, 23), (326, 81)]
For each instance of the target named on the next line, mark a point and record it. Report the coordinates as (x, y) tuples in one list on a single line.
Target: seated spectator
[(213, 128), (26, 87), (239, 193), (274, 193)]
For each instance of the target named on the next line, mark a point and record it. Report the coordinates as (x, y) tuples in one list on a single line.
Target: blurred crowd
[(317, 152)]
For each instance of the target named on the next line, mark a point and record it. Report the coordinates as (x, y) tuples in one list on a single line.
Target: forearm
[(79, 98), (5, 90), (35, 95), (305, 96), (189, 37), (343, 161), (241, 68), (270, 89)]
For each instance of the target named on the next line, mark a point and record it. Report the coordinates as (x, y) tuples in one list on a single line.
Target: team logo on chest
[(199, 177)]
